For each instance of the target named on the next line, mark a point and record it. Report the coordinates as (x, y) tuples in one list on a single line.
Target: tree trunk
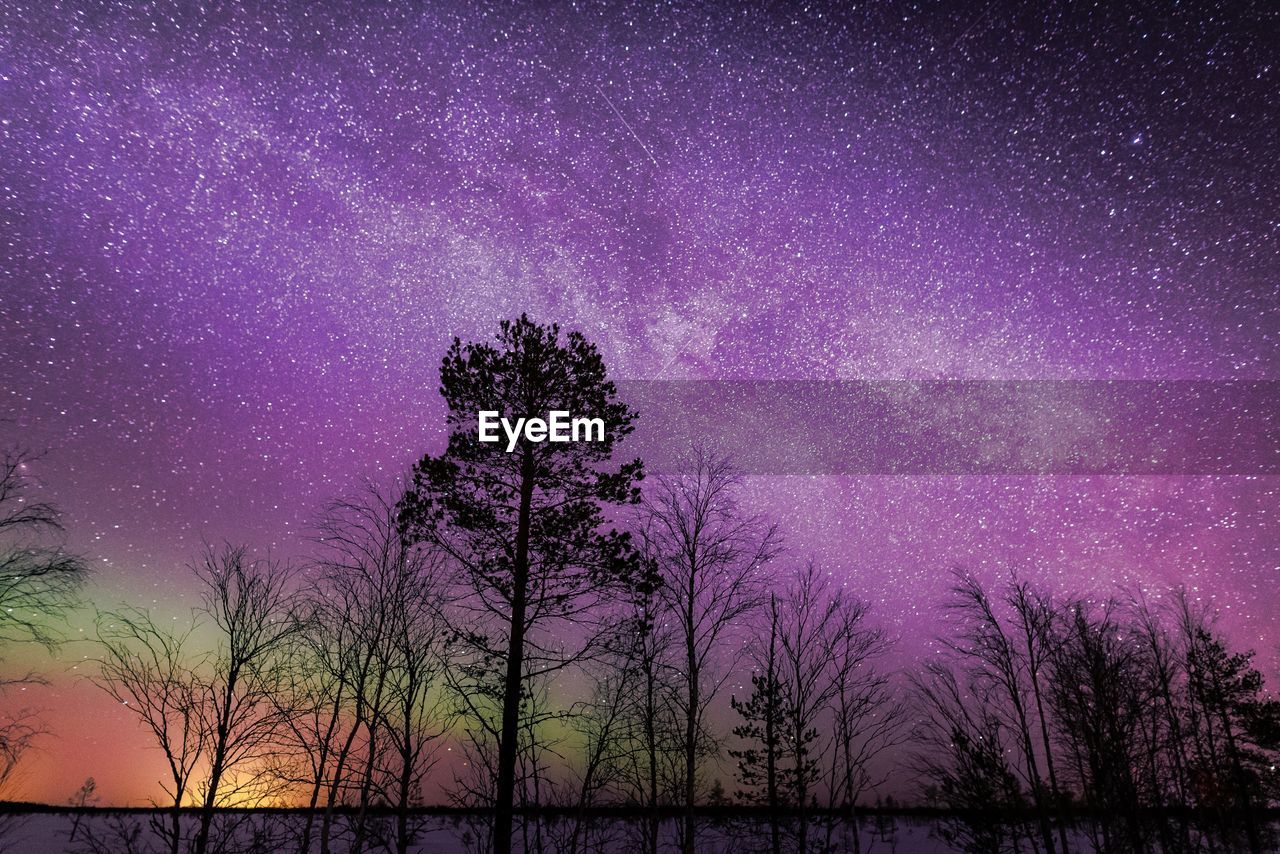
[(175, 844), (847, 747), (1037, 785), (304, 844), (206, 809), (802, 792), (1048, 756), (508, 746), (326, 823), (771, 735), (691, 722), (407, 758), (651, 737), (219, 758), (362, 814), (771, 771), (211, 795)]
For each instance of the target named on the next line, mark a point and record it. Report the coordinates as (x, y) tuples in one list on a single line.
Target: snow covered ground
[(130, 833), (279, 833)]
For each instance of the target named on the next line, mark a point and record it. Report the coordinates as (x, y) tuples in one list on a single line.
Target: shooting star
[(969, 29), (627, 125)]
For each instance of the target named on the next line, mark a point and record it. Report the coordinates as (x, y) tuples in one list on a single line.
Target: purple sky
[(234, 245)]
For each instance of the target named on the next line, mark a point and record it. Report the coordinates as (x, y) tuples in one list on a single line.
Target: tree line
[(548, 630), (1138, 720)]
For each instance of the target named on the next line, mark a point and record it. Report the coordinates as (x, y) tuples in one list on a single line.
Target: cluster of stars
[(235, 241)]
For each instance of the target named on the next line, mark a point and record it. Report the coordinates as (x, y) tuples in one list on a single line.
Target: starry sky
[(235, 240)]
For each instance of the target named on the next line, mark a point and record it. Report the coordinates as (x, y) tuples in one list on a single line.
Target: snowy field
[(131, 833), (128, 832)]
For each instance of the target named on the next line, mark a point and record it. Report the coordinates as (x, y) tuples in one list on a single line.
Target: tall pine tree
[(527, 528)]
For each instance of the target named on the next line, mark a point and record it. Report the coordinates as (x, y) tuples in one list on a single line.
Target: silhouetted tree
[(39, 582), (962, 750), (808, 635), (156, 673), (710, 556), (85, 797), (990, 646), (1163, 733), (247, 603), (39, 579), (628, 732), (819, 710), (867, 719), (1032, 616), (526, 528), (1235, 727), (646, 759), (314, 704), (764, 728), (603, 724), (361, 708), (418, 653), (1099, 692), (1166, 764)]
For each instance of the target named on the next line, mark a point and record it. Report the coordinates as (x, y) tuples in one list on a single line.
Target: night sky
[(234, 244)]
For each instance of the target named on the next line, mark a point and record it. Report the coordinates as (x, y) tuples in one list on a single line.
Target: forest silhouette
[(584, 658)]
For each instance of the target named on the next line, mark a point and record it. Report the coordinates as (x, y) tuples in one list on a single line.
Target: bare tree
[(603, 724), (310, 707), (963, 749), (361, 708), (866, 715), (346, 626), (989, 647), (1152, 722), (247, 603), (39, 579), (1234, 728), (820, 710), (155, 674), (39, 582), (652, 727), (1099, 690), (1167, 763), (1032, 617), (418, 653), (807, 645), (709, 555)]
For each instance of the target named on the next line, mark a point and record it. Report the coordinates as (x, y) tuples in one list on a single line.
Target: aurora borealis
[(236, 240)]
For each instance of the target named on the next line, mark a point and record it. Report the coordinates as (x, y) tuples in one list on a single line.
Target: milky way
[(235, 243)]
